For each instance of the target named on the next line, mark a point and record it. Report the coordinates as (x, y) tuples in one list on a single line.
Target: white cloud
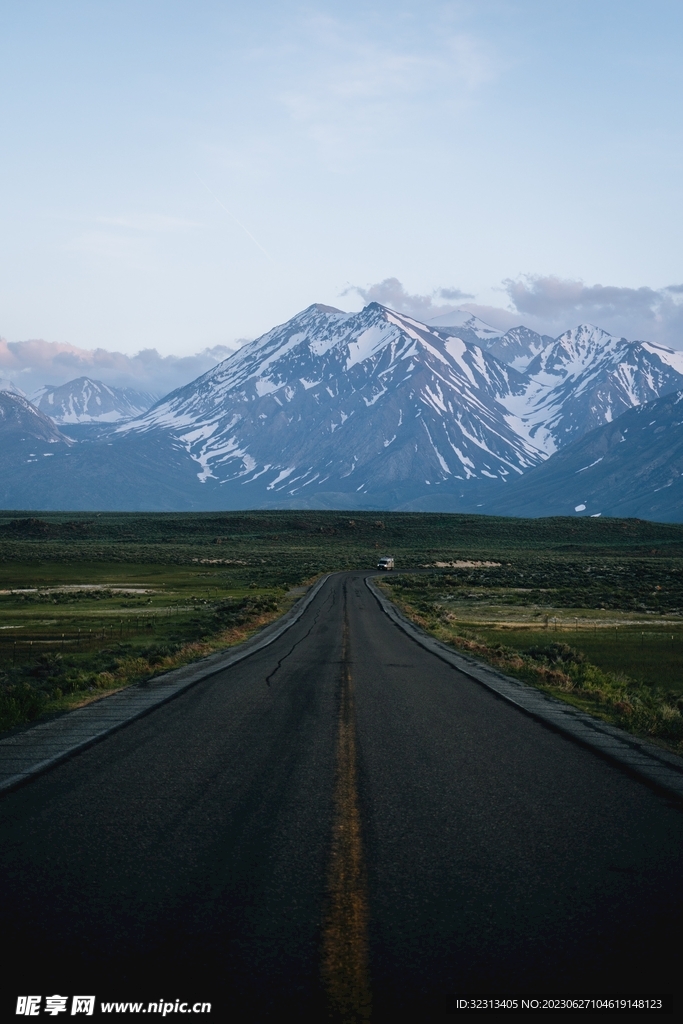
[(391, 292), (31, 364), (550, 305), (645, 313)]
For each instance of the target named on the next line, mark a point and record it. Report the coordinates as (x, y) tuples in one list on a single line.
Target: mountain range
[(372, 409), (370, 404)]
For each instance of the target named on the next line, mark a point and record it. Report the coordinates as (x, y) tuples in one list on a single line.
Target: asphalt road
[(341, 825)]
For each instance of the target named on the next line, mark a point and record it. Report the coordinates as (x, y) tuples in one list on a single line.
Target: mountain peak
[(20, 418), (356, 402), (587, 334), (519, 346), (572, 352), (10, 387), (463, 324), (85, 400), (322, 308)]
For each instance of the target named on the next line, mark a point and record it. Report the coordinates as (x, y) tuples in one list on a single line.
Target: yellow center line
[(345, 929)]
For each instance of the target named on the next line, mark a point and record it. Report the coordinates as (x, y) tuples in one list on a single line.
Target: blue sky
[(178, 175)]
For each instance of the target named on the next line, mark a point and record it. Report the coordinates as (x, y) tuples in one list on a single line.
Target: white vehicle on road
[(386, 563)]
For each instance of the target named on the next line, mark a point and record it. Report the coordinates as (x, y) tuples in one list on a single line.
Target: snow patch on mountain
[(519, 346), (90, 401), (585, 378), (665, 355), (379, 405), (315, 400)]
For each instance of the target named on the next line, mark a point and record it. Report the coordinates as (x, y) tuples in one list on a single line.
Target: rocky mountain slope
[(372, 403), (29, 442), (588, 377), (519, 346), (21, 422), (41, 467), (630, 467)]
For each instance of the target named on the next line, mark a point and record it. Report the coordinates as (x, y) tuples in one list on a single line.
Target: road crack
[(293, 648)]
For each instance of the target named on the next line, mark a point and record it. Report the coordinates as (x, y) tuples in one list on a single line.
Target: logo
[(30, 1006)]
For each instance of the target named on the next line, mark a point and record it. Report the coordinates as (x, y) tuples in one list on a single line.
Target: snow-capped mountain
[(341, 410), (29, 443), (519, 346), (91, 401), (370, 403), (588, 377), (20, 419), (516, 347), (465, 325), (630, 467), (576, 382), (43, 468)]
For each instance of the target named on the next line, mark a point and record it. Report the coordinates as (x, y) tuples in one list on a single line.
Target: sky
[(178, 176)]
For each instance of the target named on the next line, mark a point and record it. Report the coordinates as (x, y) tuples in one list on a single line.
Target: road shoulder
[(657, 767), (35, 750)]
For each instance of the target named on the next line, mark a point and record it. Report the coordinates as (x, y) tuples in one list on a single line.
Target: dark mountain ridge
[(630, 467)]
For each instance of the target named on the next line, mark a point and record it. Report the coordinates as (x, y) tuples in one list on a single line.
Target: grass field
[(622, 665), (649, 654), (90, 603), (82, 630)]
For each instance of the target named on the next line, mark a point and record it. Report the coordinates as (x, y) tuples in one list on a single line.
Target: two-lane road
[(341, 824)]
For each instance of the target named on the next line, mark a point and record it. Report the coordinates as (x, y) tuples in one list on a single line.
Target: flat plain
[(589, 609)]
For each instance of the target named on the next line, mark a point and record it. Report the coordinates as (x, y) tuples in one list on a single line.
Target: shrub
[(20, 703)]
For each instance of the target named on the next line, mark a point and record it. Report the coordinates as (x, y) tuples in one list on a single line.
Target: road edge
[(650, 764), (131, 703)]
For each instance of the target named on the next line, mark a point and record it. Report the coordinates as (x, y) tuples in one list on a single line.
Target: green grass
[(61, 647), (623, 666), (649, 655), (323, 539), (206, 580)]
